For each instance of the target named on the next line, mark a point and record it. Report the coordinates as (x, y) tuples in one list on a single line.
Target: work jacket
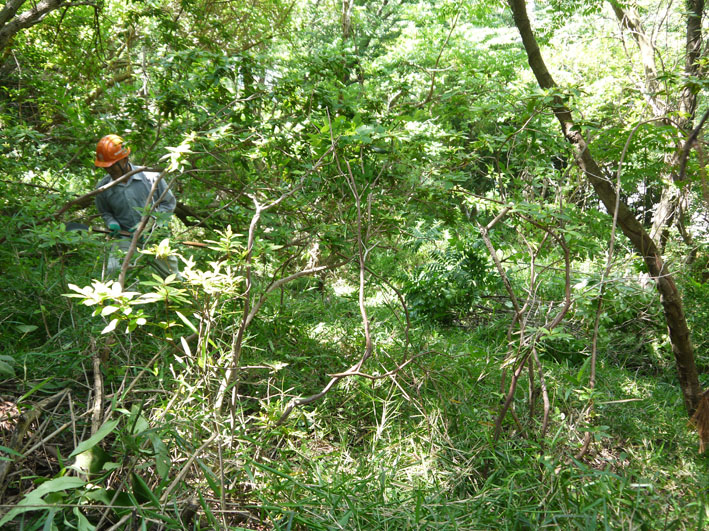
[(124, 203)]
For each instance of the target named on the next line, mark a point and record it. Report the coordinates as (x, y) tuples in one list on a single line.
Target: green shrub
[(450, 283)]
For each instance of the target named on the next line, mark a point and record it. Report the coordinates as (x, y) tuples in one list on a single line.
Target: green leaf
[(49, 521), (26, 329), (583, 370), (91, 461), (36, 388), (10, 451), (6, 369), (162, 458), (186, 321), (142, 492), (57, 484), (97, 437), (211, 479), (22, 508), (186, 347), (33, 499), (82, 522)]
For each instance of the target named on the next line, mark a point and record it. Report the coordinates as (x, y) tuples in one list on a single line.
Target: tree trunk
[(669, 208), (669, 295)]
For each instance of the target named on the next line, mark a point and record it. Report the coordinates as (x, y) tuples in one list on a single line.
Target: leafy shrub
[(450, 283)]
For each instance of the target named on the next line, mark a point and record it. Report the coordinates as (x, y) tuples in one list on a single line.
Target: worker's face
[(119, 168)]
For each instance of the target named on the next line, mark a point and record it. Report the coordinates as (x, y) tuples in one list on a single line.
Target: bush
[(450, 283)]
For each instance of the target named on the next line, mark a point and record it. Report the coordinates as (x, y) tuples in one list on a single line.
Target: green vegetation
[(407, 306)]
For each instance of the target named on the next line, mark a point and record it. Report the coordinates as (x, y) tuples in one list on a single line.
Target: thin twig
[(688, 146), (548, 326), (184, 470), (599, 307), (247, 314), (362, 252), (148, 208), (438, 59)]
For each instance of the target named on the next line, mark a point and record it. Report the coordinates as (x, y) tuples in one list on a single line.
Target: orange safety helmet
[(110, 149)]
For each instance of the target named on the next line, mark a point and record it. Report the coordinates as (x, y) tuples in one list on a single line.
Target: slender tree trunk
[(664, 212), (630, 20), (669, 209), (669, 295)]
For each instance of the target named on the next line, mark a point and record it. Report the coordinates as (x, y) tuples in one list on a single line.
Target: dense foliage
[(407, 306)]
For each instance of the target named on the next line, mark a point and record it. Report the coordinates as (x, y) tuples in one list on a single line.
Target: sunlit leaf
[(110, 327)]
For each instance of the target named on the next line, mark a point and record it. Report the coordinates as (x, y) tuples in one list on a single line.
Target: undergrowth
[(412, 450)]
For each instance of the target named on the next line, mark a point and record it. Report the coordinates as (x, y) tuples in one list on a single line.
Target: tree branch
[(15, 23)]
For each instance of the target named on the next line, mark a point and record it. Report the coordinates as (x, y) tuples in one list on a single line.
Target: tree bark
[(9, 10), (669, 295), (11, 23)]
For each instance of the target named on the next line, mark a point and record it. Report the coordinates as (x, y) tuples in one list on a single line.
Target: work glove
[(115, 228)]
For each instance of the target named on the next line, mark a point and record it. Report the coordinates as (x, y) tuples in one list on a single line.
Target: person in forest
[(122, 205)]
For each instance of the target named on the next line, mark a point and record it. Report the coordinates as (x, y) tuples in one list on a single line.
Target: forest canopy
[(431, 264)]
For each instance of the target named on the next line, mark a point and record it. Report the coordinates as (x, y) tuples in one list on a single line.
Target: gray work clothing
[(123, 203)]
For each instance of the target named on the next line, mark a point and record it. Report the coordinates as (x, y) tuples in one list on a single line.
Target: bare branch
[(438, 59), (248, 314)]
